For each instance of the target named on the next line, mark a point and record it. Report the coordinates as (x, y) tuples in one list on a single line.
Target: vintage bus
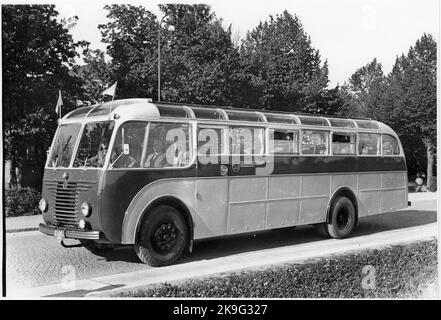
[(159, 176)]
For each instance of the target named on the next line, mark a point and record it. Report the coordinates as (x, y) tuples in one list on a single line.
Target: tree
[(405, 100), (326, 102), (364, 93), (281, 68), (131, 35), (413, 89), (95, 74), (37, 54), (200, 60)]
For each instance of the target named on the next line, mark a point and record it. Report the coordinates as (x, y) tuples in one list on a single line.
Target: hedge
[(21, 202), (403, 271)]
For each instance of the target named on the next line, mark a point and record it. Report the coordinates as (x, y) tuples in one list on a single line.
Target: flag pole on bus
[(59, 104), (110, 92)]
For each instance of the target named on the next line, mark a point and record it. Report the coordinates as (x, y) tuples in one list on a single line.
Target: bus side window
[(210, 142), (168, 145), (315, 142), (343, 143), (246, 141), (284, 142), (390, 145), (368, 144), (128, 148)]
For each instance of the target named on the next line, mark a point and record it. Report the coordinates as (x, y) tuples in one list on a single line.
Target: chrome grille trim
[(65, 201)]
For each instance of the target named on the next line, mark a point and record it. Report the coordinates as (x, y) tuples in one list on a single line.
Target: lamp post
[(170, 28)]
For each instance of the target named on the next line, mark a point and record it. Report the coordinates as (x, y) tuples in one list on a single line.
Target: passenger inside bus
[(157, 158), (98, 160)]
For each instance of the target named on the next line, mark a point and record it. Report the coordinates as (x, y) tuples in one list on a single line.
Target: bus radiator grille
[(66, 204)]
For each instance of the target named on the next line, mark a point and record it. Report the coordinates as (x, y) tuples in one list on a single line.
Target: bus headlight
[(82, 224), (42, 205), (86, 209)]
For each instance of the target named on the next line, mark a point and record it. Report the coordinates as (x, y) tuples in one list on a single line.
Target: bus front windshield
[(63, 145), (94, 144)]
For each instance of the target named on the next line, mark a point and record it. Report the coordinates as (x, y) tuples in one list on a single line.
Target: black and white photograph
[(236, 151)]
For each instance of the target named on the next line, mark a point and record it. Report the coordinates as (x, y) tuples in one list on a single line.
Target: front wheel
[(162, 237), (342, 220)]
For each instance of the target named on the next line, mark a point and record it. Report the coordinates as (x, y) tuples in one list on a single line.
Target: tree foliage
[(412, 100), (200, 60), (405, 100), (131, 37), (275, 67), (37, 54), (95, 75), (282, 69), (365, 92)]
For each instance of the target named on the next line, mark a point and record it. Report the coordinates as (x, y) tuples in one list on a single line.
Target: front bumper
[(70, 233)]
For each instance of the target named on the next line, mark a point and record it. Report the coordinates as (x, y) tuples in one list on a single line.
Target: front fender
[(182, 189)]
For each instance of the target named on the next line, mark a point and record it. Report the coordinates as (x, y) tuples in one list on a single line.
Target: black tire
[(162, 237), (97, 248), (342, 219)]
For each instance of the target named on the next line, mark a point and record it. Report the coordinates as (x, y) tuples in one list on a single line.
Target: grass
[(408, 271)]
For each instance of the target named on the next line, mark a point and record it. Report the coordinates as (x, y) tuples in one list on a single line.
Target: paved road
[(34, 259)]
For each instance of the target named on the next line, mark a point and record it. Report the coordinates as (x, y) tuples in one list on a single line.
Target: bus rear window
[(94, 144), (390, 146), (63, 146)]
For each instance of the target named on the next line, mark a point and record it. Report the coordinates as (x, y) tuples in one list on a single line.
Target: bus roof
[(146, 109)]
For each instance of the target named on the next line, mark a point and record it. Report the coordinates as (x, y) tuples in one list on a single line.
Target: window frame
[(224, 129), (114, 137), (396, 141), (264, 141), (326, 130), (74, 148), (352, 133), (77, 144), (379, 147), (191, 133), (287, 129)]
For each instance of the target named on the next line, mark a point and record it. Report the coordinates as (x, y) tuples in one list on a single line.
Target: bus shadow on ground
[(270, 239)]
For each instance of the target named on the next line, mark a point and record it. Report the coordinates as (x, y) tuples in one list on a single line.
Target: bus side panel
[(246, 210), (121, 189), (315, 198), (369, 194), (211, 207), (394, 191), (181, 189), (283, 207)]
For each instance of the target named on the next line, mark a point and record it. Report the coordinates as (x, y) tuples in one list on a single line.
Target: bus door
[(211, 199), (247, 179)]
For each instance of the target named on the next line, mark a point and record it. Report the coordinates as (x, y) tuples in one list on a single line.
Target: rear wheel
[(162, 236), (342, 219)]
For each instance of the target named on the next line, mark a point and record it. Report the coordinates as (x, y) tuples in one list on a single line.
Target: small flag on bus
[(110, 91), (59, 104)]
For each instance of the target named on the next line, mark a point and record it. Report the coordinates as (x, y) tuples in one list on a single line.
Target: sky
[(348, 33)]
